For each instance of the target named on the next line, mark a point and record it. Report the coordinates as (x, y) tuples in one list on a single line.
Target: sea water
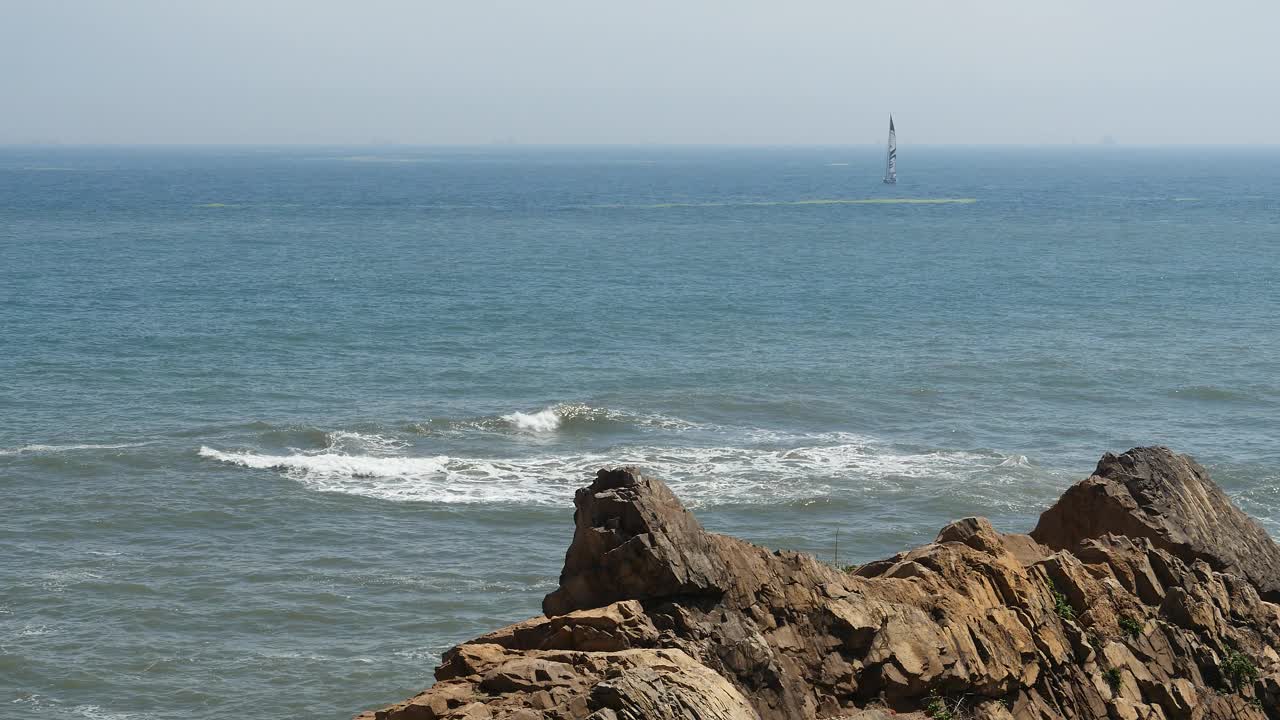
[(279, 425)]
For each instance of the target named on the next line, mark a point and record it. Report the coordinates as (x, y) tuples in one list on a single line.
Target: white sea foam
[(434, 479), (1015, 461), (49, 449), (342, 440), (579, 411), (543, 421), (42, 705), (701, 475), (95, 712), (429, 655), (553, 419), (59, 580), (335, 464)]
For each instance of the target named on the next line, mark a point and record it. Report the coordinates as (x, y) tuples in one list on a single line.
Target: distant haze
[(661, 71)]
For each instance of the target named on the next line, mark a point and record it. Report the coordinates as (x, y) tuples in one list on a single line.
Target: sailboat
[(891, 157)]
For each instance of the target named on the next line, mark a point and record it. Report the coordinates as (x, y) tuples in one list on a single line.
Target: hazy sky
[(645, 71)]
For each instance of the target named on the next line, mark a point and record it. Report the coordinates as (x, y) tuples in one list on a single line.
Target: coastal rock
[(634, 540), (1167, 498), (1142, 593), (657, 684)]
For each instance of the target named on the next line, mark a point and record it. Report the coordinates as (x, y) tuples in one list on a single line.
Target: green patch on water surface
[(887, 201), (386, 159), (776, 203)]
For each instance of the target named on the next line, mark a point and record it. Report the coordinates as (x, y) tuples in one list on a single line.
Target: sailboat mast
[(891, 156)]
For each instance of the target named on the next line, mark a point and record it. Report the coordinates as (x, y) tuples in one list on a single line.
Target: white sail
[(891, 156)]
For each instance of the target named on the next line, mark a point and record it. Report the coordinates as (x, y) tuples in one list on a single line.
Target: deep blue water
[(278, 426)]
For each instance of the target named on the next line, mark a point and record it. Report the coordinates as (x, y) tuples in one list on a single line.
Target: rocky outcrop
[(1142, 594), (1168, 499)]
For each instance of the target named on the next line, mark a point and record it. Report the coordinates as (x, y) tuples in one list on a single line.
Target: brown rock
[(618, 626), (657, 618), (1168, 499), (634, 541), (669, 685), (527, 675), (470, 659)]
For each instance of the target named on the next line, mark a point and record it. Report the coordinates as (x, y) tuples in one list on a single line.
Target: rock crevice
[(1143, 593)]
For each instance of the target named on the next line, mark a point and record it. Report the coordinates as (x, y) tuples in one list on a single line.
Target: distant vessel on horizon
[(891, 156)]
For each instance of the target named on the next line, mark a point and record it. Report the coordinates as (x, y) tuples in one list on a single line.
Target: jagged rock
[(1167, 498), (634, 540), (667, 685), (1134, 598), (618, 626), (657, 684), (527, 674)]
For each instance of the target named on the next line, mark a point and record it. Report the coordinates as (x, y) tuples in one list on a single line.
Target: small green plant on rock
[(1239, 670), (1060, 603), (1130, 626), (937, 708), (1112, 676)]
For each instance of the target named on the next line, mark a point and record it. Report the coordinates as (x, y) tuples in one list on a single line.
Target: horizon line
[(589, 145)]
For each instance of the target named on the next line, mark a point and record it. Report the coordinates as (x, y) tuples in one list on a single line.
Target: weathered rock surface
[(1168, 499), (1142, 594)]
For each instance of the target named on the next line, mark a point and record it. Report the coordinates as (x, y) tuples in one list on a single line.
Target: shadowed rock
[(634, 540), (1139, 595)]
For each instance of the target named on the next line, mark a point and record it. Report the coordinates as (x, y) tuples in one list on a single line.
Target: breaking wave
[(541, 421), (701, 475), (439, 479), (379, 439), (568, 417)]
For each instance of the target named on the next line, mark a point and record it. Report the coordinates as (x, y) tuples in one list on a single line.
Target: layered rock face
[(1143, 593)]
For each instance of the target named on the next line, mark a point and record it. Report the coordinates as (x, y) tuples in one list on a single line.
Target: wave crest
[(539, 422), (574, 417), (439, 479), (702, 476)]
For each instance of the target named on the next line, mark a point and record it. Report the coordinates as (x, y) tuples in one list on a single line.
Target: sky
[(754, 72)]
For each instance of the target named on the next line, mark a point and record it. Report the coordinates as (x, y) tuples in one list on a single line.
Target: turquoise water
[(279, 426)]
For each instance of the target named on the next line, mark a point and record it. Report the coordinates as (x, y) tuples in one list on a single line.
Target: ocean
[(279, 425)]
